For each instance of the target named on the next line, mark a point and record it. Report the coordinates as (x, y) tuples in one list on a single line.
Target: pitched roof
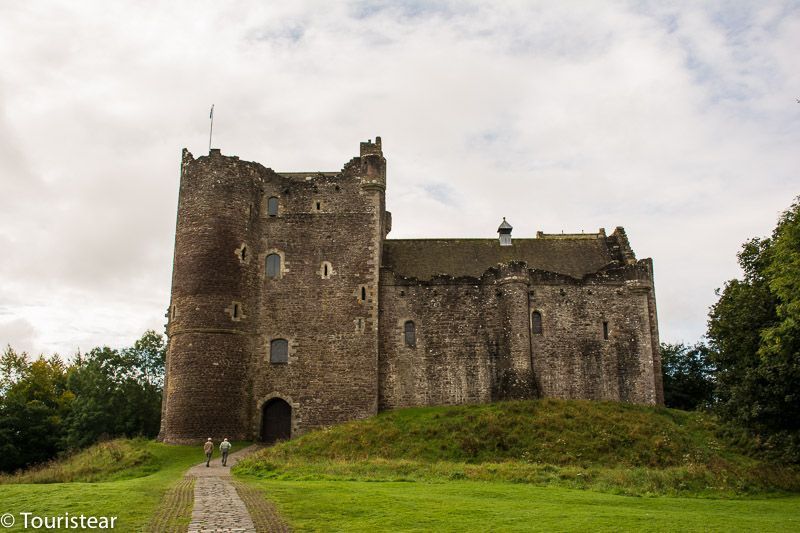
[(425, 258)]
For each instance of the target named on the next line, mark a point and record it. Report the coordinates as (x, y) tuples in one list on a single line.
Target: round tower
[(515, 370), (212, 308)]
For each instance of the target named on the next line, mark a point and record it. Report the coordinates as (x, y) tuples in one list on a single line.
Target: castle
[(291, 309)]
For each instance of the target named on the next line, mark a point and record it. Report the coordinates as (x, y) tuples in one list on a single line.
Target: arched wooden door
[(276, 421)]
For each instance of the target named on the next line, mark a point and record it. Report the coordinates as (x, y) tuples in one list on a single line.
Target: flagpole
[(211, 131)]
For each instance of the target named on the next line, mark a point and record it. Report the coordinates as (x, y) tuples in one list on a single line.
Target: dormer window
[(504, 231)]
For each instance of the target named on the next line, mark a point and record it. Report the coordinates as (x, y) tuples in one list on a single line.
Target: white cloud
[(676, 121)]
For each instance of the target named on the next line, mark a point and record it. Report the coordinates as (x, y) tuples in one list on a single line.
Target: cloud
[(677, 122), (17, 333)]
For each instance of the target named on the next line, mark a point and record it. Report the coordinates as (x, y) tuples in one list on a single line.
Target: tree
[(754, 333), (47, 406), (148, 356), (118, 392), (33, 406), (688, 376)]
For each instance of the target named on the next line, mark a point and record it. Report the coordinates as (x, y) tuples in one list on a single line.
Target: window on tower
[(273, 266), (410, 334), (536, 323), (279, 351)]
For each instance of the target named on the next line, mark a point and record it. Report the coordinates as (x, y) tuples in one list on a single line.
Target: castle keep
[(291, 309)]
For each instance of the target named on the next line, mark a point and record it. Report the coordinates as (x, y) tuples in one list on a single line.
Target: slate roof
[(425, 258)]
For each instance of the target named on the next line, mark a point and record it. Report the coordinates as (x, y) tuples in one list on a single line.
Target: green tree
[(148, 356), (688, 376), (118, 392), (754, 333), (33, 406)]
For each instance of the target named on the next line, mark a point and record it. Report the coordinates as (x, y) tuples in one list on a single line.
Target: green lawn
[(133, 501), (497, 506)]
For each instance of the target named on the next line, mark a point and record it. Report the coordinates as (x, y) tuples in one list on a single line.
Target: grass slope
[(514, 466), (101, 483), (609, 446), (105, 461)]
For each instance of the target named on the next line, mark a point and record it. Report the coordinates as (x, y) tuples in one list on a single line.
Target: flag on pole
[(211, 129)]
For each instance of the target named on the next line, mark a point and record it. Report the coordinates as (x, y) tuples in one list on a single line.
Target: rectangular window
[(272, 207), (279, 351), (605, 330), (273, 266)]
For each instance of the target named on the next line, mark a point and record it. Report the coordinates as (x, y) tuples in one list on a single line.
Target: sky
[(678, 121)]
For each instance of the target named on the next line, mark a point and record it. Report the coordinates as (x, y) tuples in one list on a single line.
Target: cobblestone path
[(218, 507)]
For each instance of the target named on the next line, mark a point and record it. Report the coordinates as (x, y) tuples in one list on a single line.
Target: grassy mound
[(105, 461), (610, 446)]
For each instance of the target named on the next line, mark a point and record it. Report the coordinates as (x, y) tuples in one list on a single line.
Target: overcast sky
[(677, 122)]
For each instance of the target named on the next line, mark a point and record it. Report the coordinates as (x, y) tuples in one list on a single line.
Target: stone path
[(217, 505)]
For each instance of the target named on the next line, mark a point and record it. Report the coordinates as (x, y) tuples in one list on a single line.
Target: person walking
[(224, 448), (208, 447)]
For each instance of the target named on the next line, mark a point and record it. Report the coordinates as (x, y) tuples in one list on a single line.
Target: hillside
[(608, 446), (112, 460), (125, 478)]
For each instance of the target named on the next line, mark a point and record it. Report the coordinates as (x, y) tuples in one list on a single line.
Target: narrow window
[(319, 206), (325, 270), (410, 334), (363, 294), (605, 330), (273, 266), (279, 351), (235, 310), (244, 253), (272, 206), (536, 323)]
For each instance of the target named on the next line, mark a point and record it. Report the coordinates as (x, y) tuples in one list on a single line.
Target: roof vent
[(505, 233)]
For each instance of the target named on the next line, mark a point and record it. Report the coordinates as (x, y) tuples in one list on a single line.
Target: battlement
[(371, 148), (601, 234), (373, 165)]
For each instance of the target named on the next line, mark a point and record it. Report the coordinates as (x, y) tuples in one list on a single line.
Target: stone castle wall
[(344, 293), (475, 342), (225, 309)]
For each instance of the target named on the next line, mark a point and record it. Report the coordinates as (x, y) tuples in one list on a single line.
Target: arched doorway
[(276, 421)]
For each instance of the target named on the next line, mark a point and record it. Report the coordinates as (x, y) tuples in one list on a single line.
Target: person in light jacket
[(224, 448), (208, 447)]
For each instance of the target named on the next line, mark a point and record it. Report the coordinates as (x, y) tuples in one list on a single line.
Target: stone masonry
[(291, 309)]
